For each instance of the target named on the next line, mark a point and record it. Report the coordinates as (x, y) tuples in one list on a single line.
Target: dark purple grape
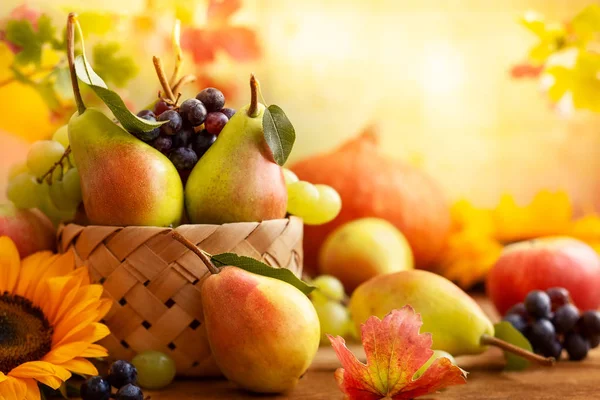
[(193, 111), (553, 348), (202, 143), (150, 135), (183, 158), (163, 144), (95, 388), (538, 304), (517, 321), (577, 346), (558, 297), (161, 106), (121, 373), (183, 137), (541, 332), (229, 112), (519, 309), (590, 323), (215, 121), (129, 392), (213, 99), (594, 341), (565, 318), (174, 124)]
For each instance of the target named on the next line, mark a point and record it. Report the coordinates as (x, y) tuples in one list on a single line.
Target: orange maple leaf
[(395, 350)]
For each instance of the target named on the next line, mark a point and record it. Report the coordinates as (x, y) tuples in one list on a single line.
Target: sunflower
[(49, 315)]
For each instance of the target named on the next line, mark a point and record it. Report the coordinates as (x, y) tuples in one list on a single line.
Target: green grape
[(333, 318), (436, 354), (48, 207), (72, 185), (289, 176), (17, 169), (155, 369), (62, 136), (302, 198), (327, 208), (42, 156), (61, 200), (23, 191), (330, 286), (317, 297), (352, 332)]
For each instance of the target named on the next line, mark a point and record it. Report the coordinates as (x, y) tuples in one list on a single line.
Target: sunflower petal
[(10, 264), (61, 265), (60, 290), (13, 389), (64, 353), (42, 371), (33, 390), (84, 273), (89, 333), (34, 274), (80, 366), (30, 267), (104, 307), (95, 351), (2, 377)]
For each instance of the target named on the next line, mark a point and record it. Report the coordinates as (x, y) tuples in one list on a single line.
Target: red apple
[(544, 263), (31, 230)]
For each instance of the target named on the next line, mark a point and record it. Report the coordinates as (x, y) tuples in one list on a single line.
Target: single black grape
[(95, 388), (558, 297), (202, 143), (130, 392), (193, 111), (120, 373), (590, 323), (215, 121), (163, 144), (542, 332), (229, 112), (161, 106), (565, 318), (519, 309), (538, 304), (183, 158), (150, 135), (552, 348), (594, 341), (577, 346), (174, 124), (213, 99), (183, 137), (517, 321)]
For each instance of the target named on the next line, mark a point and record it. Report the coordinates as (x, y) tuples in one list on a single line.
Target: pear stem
[(71, 22), (160, 72), (253, 109), (494, 341), (204, 256)]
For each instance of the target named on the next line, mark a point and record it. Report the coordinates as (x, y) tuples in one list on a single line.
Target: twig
[(12, 79), (511, 348), (56, 164), (178, 53), (183, 81), (204, 256), (160, 72)]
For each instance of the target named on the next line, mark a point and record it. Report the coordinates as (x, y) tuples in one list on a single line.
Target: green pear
[(237, 179), (263, 332), (454, 319), (124, 181)]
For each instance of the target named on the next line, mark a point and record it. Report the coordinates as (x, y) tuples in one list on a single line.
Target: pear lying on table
[(263, 332)]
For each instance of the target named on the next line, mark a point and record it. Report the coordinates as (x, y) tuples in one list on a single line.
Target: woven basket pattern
[(155, 281)]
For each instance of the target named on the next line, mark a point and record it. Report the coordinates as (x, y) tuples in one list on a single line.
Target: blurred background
[(434, 76)]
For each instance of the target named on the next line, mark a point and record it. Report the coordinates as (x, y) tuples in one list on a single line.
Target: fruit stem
[(253, 109), (160, 72), (183, 81), (62, 158), (204, 256), (511, 348), (178, 53), (71, 22)]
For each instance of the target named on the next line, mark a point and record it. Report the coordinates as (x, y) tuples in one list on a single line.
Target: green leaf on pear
[(113, 101), (257, 267), (279, 133), (505, 331)]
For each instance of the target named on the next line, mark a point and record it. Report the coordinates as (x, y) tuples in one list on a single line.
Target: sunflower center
[(25, 333)]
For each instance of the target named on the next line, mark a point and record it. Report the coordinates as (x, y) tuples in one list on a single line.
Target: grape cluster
[(315, 204), (189, 130), (552, 323), (122, 376), (328, 299), (57, 194)]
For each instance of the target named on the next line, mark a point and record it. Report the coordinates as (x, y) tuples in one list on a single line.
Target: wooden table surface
[(486, 380)]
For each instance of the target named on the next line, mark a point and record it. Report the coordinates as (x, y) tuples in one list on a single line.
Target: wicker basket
[(155, 281)]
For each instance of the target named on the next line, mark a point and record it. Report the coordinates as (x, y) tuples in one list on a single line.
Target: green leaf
[(128, 120), (96, 23), (505, 331), (21, 33), (257, 267), (46, 30), (112, 66), (279, 133)]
